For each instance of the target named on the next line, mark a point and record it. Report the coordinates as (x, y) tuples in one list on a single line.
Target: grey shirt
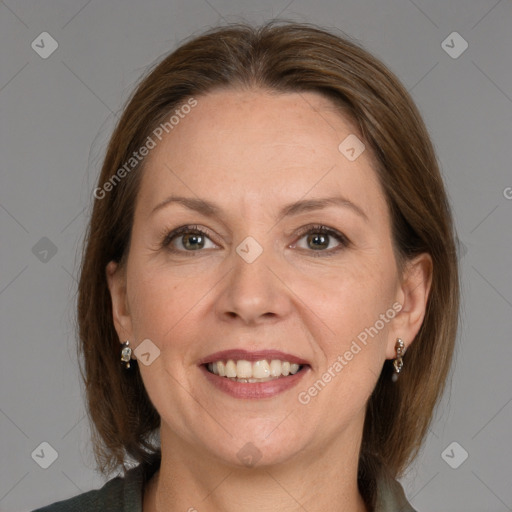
[(124, 494)]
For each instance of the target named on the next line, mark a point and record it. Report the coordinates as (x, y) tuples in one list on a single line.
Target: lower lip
[(266, 389)]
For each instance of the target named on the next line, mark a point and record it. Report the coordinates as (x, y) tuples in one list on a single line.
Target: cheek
[(159, 300), (353, 316), (351, 298)]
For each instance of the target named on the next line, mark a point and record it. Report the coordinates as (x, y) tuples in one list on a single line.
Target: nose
[(254, 293)]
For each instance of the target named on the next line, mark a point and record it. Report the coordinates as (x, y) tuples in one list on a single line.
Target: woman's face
[(262, 276)]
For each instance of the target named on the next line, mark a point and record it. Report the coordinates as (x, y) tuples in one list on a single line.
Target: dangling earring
[(398, 363), (126, 353)]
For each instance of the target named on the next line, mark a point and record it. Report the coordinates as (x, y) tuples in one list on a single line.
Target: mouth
[(263, 370), (244, 374)]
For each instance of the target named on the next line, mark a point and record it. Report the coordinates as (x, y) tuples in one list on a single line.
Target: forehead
[(263, 145)]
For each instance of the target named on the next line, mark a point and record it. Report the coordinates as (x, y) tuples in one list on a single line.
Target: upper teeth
[(243, 369)]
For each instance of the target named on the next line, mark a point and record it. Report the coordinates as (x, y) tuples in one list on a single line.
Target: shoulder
[(391, 496), (120, 494), (101, 499)]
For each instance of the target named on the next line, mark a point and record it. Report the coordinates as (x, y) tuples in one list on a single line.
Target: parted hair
[(279, 57)]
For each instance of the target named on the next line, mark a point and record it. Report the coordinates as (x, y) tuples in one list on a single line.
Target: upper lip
[(237, 354)]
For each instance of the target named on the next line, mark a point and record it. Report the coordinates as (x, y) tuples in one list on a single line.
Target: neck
[(194, 481)]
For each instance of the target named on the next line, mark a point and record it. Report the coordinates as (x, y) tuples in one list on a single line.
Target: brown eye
[(192, 241), (186, 239), (320, 239)]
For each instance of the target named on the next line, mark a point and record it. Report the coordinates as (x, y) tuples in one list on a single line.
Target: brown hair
[(279, 57)]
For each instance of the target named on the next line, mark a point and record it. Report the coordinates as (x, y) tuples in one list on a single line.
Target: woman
[(271, 255)]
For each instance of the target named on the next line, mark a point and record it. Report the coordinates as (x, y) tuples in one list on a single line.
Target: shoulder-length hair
[(277, 57)]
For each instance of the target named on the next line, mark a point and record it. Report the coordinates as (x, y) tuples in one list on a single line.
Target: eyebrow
[(210, 209)]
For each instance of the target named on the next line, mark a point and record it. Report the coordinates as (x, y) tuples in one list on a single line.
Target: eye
[(187, 239), (319, 238)]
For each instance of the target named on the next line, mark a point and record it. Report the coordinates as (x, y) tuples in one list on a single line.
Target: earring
[(126, 353), (398, 363)]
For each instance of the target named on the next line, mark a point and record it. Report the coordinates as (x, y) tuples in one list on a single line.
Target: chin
[(259, 452)]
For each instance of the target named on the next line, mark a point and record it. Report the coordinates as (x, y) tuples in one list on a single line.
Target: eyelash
[(316, 229)]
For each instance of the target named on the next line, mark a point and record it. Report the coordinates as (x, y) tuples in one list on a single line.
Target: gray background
[(56, 116)]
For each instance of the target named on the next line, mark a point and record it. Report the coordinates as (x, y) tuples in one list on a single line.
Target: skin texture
[(252, 152)]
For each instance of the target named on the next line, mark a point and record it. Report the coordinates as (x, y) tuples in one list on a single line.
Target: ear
[(413, 295), (116, 278)]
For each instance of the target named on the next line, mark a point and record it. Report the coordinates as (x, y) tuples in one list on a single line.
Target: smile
[(256, 371), (254, 388)]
